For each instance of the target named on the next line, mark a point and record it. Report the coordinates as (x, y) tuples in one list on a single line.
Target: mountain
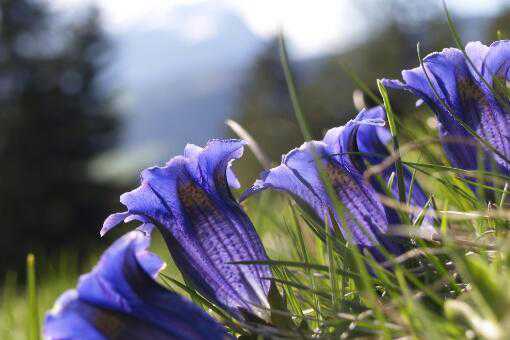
[(177, 83)]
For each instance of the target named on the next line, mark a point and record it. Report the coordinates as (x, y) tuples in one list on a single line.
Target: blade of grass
[(367, 286), (394, 133), (257, 151), (305, 288), (304, 265), (411, 187), (503, 195), (33, 328), (332, 269), (304, 252), (440, 167), (361, 84), (407, 299), (9, 293), (289, 292), (303, 126)]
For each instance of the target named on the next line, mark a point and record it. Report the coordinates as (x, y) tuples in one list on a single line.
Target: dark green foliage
[(53, 122), (266, 108)]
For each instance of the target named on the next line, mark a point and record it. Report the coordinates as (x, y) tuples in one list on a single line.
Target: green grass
[(453, 288)]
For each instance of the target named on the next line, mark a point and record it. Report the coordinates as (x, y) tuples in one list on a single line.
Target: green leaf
[(280, 316)]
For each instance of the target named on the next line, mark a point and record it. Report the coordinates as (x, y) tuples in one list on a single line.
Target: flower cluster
[(189, 200)]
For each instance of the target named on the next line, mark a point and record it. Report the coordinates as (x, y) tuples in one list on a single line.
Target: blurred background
[(91, 92)]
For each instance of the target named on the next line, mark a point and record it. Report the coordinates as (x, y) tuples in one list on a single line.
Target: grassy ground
[(453, 288)]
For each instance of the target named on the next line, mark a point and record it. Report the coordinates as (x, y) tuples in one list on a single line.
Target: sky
[(313, 27)]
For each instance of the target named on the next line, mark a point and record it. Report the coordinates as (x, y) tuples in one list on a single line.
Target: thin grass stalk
[(306, 259), (33, 327), (394, 133)]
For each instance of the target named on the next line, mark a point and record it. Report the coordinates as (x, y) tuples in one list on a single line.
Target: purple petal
[(205, 228), (68, 321), (467, 97), (477, 52), (298, 175), (371, 140), (119, 298), (496, 62), (112, 221)]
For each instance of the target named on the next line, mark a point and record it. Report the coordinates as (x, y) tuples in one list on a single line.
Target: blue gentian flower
[(344, 152), (205, 228), (120, 299), (460, 91), (367, 137)]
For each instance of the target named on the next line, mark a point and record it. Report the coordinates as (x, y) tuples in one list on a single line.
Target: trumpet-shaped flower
[(366, 137), (343, 154), (206, 230), (469, 90), (120, 299)]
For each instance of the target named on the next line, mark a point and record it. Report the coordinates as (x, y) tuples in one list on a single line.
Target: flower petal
[(460, 93), (369, 138), (496, 62), (206, 230), (298, 175), (120, 299)]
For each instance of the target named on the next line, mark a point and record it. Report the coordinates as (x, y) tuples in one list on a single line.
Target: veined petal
[(441, 95), (493, 102), (298, 175), (463, 94), (206, 230), (368, 135), (495, 61), (119, 299)]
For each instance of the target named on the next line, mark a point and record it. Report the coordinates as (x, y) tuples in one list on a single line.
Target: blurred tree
[(53, 122), (266, 108), (266, 102), (326, 92), (501, 24)]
